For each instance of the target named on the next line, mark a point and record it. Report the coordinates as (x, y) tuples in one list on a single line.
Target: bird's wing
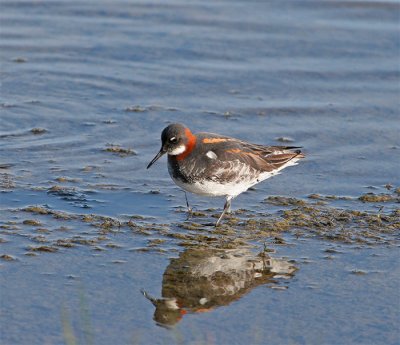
[(259, 157)]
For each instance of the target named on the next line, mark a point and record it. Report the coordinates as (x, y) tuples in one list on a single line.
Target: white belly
[(233, 189), (211, 188)]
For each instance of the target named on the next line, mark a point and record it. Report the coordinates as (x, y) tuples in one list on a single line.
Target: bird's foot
[(189, 213)]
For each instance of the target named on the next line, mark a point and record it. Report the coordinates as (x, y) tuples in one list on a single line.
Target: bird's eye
[(173, 140)]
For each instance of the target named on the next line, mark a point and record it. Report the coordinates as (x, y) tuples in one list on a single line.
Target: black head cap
[(173, 133), (174, 139)]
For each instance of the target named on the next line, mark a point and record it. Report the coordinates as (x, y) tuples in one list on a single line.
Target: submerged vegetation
[(50, 230), (117, 149)]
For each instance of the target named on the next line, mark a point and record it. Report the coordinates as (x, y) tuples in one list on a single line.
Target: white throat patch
[(180, 149)]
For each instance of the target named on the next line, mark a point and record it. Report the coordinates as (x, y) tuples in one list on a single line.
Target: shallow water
[(77, 78)]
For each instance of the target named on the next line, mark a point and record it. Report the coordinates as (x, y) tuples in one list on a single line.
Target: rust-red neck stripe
[(191, 143)]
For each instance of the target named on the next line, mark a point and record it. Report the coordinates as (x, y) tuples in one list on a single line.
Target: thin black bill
[(158, 155)]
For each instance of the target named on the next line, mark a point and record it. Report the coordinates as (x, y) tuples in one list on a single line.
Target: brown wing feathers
[(273, 156), (277, 160), (261, 158)]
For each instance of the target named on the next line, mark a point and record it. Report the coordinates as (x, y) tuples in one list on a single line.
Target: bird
[(210, 164)]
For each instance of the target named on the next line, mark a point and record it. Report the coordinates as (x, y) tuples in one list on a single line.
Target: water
[(78, 77)]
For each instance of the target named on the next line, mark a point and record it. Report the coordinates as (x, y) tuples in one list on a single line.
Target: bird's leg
[(189, 209), (227, 208)]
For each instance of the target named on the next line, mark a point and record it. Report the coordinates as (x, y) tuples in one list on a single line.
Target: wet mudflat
[(96, 249)]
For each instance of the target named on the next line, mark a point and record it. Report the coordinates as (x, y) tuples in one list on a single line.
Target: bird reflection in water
[(203, 279)]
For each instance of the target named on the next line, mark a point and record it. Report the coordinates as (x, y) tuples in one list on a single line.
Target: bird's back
[(259, 157)]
